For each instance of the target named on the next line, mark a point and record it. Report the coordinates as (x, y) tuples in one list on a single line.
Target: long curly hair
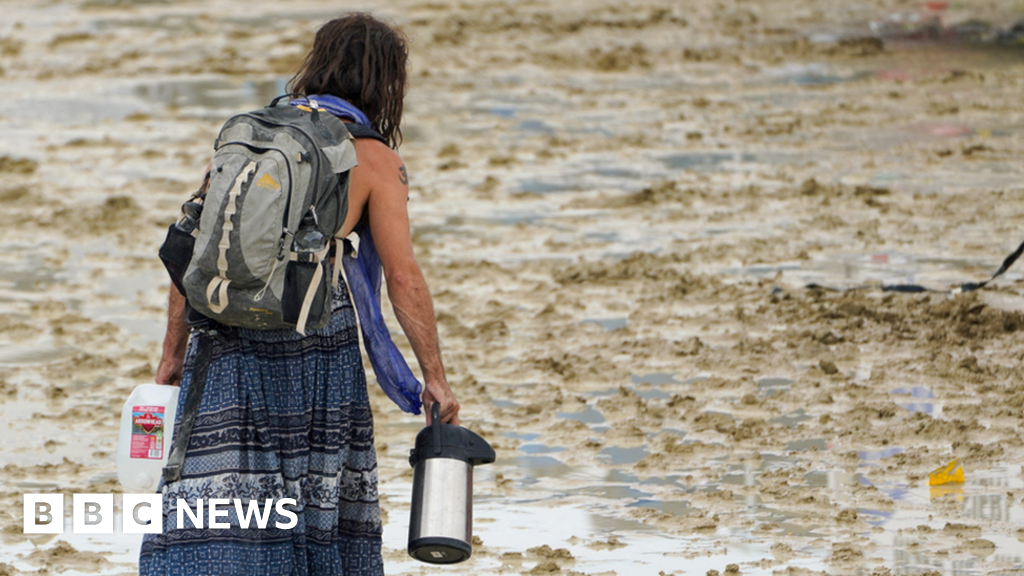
[(362, 60)]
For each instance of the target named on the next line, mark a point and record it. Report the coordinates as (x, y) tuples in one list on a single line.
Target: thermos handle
[(435, 425)]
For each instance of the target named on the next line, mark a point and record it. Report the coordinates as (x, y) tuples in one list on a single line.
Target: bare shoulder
[(380, 164), (374, 154)]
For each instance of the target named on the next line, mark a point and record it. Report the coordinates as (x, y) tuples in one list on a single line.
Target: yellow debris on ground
[(951, 473)]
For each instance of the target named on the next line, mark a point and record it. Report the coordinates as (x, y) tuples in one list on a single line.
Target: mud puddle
[(211, 97), (860, 270), (577, 537), (899, 533), (911, 540), (90, 279)]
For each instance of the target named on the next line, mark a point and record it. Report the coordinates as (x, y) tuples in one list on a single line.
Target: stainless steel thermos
[(441, 524)]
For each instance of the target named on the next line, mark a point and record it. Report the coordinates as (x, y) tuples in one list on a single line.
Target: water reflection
[(915, 392), (955, 491), (810, 74), (835, 479), (526, 436), (910, 562), (656, 378), (609, 324), (541, 449), (620, 456), (793, 419), (771, 386), (706, 160), (35, 353), (616, 475), (536, 467), (994, 507), (922, 393), (888, 268), (678, 508), (27, 276), (214, 94), (806, 444), (615, 492), (875, 455), (654, 395), (983, 498), (588, 416), (924, 407)]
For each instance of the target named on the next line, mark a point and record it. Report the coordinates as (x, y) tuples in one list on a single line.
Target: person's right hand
[(439, 391), (170, 370)]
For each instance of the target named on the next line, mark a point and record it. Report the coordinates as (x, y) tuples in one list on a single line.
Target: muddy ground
[(619, 207)]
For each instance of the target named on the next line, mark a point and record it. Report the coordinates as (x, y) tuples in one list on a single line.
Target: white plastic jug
[(147, 426)]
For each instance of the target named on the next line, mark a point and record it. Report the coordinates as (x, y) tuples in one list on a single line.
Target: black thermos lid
[(450, 441)]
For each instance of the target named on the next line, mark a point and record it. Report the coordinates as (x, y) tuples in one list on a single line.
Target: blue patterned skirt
[(283, 416)]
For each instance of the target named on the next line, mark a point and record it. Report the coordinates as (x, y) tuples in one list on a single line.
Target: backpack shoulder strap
[(361, 131)]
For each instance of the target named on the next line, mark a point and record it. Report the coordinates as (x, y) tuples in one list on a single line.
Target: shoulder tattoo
[(403, 175)]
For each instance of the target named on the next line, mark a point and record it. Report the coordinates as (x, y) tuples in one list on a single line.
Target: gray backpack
[(277, 197)]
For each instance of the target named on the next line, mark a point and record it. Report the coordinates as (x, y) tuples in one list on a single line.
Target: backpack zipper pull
[(314, 107)]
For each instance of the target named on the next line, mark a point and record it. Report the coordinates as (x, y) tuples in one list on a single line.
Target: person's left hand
[(170, 370)]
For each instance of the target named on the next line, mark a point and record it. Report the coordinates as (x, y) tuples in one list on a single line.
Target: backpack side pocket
[(306, 290), (176, 253)]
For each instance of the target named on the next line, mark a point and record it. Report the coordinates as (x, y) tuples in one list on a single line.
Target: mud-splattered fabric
[(282, 416)]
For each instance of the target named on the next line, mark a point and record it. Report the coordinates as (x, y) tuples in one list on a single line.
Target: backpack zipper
[(310, 139)]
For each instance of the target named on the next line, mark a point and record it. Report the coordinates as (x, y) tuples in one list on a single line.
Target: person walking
[(287, 415)]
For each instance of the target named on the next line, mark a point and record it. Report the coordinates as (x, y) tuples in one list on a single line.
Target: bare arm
[(172, 362), (385, 177)]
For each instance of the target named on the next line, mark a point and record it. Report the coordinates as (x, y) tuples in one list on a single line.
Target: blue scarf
[(363, 270)]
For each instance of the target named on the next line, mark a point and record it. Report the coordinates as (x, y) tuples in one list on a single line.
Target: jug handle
[(435, 425)]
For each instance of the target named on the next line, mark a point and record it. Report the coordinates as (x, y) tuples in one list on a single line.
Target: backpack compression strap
[(219, 284)]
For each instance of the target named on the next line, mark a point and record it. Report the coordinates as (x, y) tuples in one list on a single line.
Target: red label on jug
[(147, 432)]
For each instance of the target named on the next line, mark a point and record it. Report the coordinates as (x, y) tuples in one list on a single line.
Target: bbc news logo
[(143, 513)]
